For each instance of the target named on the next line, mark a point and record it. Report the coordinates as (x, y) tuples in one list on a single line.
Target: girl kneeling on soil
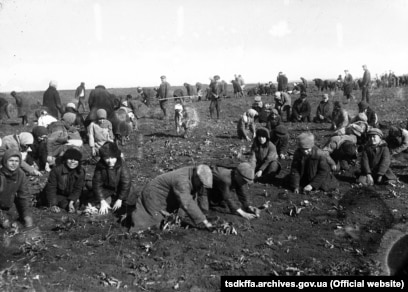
[(65, 183), (111, 181), (376, 160), (264, 157), (14, 190)]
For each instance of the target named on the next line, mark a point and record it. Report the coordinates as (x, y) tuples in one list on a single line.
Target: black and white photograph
[(174, 145)]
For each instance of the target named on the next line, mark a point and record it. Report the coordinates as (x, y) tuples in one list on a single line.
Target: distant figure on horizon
[(365, 85), (282, 82), (348, 86), (52, 100), (164, 93), (80, 95), (23, 107)]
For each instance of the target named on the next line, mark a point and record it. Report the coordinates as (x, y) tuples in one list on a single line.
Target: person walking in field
[(80, 95)]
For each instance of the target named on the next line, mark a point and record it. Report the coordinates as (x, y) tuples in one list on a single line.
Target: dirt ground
[(339, 233)]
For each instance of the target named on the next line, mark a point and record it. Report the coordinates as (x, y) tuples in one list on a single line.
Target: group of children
[(312, 167), (57, 147)]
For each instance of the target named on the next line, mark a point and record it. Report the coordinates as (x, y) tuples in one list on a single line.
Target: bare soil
[(337, 233)]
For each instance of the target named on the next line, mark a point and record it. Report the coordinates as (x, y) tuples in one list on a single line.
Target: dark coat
[(23, 105), (282, 82), (366, 79), (376, 160), (313, 169), (371, 117), (65, 183), (348, 84), (164, 91), (301, 108), (263, 155), (324, 109), (52, 101), (78, 93), (100, 98), (223, 186), (114, 182), (14, 188), (281, 142), (190, 89)]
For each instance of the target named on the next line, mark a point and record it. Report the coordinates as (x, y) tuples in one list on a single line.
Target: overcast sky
[(125, 43)]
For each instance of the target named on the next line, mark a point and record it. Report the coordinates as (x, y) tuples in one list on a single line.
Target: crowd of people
[(55, 145)]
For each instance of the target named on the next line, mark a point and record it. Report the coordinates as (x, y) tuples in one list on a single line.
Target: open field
[(332, 234)]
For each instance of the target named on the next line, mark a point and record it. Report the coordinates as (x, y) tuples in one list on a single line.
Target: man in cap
[(301, 109), (169, 192), (21, 142), (217, 91), (164, 92), (310, 169), (101, 98), (80, 95), (372, 118), (348, 86), (14, 190), (52, 100), (323, 111), (225, 181), (365, 85), (283, 103), (376, 160)]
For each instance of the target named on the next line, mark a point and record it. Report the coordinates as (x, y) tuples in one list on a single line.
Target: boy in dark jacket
[(324, 111), (65, 183), (301, 109), (14, 190), (310, 169), (280, 138), (376, 160)]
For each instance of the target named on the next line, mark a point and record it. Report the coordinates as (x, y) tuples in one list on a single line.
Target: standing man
[(23, 107), (282, 82), (164, 93), (217, 89), (348, 86), (52, 100), (80, 95), (365, 86)]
